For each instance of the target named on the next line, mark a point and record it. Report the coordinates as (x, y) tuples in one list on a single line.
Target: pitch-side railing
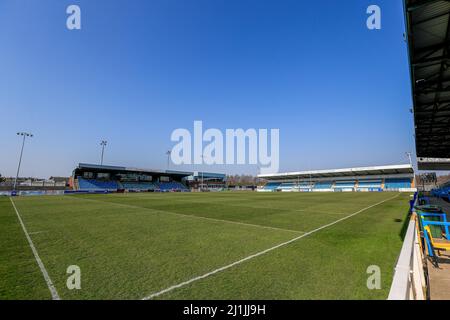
[(409, 277)]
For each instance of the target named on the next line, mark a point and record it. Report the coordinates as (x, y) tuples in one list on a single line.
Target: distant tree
[(241, 180), (2, 179)]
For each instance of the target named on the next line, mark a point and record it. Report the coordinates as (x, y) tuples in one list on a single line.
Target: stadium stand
[(93, 177), (94, 184), (443, 192), (427, 25), (345, 185), (396, 184), (138, 186), (288, 186), (171, 186), (369, 183), (305, 186), (323, 185), (207, 181), (428, 37), (270, 186), (398, 178)]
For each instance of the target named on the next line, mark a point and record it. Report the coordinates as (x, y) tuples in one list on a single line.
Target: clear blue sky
[(338, 92)]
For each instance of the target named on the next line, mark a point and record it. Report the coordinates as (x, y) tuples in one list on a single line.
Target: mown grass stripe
[(182, 284), (47, 279), (193, 216)]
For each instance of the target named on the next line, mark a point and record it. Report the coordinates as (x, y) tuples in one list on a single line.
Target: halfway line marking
[(49, 282), (182, 284)]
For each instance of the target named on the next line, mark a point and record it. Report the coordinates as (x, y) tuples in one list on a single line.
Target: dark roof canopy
[(117, 169), (401, 169), (428, 34), (433, 164)]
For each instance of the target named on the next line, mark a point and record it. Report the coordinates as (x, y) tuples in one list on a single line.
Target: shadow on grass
[(405, 224)]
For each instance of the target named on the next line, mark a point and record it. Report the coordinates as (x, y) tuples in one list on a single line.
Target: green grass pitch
[(133, 246)]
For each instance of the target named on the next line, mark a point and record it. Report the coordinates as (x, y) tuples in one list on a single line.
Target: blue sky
[(137, 70)]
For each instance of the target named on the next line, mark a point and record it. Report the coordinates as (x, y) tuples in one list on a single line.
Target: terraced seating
[(138, 186), (271, 186), (323, 185), (443, 192), (395, 184), (94, 184), (171, 186), (344, 184), (369, 184), (305, 185)]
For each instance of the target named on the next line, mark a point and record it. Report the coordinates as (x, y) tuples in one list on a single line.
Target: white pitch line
[(49, 282), (194, 216), (182, 284), (36, 232)]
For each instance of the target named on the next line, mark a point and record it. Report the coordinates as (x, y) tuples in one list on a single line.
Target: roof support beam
[(421, 3), (441, 75)]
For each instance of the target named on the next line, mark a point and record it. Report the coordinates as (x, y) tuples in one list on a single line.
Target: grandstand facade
[(102, 178), (207, 181), (363, 179)]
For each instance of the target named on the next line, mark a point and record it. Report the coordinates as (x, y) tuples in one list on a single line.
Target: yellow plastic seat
[(437, 244)]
